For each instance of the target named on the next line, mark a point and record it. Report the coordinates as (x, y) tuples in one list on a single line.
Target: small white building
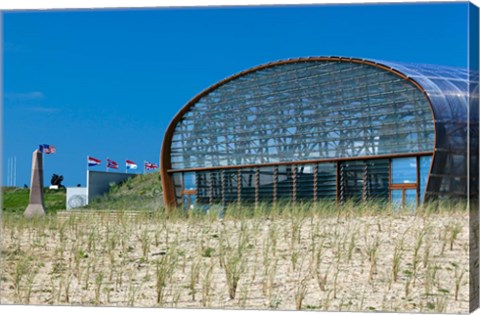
[(76, 197)]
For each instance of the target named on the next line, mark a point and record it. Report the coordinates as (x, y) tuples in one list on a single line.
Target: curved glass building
[(322, 128)]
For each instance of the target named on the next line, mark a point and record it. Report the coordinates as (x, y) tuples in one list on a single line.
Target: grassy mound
[(16, 199), (142, 192)]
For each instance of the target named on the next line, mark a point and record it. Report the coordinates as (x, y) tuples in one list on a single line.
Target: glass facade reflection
[(404, 170), (322, 129), (304, 111)]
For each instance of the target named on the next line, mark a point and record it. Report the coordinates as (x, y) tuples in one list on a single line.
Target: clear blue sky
[(106, 83)]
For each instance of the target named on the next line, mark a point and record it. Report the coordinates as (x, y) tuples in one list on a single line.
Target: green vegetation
[(16, 199), (142, 192)]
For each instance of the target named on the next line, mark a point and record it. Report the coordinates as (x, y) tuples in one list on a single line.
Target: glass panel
[(265, 184), (284, 183), (209, 189), (397, 199), (203, 179), (411, 199), (351, 180), (178, 186), (247, 185), (188, 202), (216, 186), (189, 181), (378, 172), (404, 170), (304, 180), (425, 162), (230, 179), (327, 181)]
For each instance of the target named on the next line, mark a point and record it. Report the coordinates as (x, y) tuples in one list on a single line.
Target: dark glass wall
[(473, 63), (356, 180), (448, 91)]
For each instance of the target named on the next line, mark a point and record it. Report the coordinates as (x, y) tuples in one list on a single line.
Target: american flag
[(150, 166), (47, 149), (112, 164)]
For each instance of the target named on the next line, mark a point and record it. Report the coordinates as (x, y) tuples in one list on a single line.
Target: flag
[(93, 161), (150, 166), (47, 149), (131, 165), (112, 164)]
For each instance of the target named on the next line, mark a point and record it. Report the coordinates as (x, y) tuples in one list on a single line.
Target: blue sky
[(106, 83)]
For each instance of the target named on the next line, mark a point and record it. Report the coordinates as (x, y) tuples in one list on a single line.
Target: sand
[(343, 263)]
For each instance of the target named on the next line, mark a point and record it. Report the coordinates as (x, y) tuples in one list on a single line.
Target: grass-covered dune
[(142, 192), (347, 258), (16, 199)]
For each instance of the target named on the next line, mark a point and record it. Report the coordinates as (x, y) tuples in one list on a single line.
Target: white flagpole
[(126, 167), (15, 172), (8, 172), (11, 171)]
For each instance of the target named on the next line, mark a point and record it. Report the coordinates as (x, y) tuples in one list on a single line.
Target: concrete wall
[(98, 183), (76, 197)]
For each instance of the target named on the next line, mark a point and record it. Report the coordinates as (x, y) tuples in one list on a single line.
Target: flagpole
[(8, 171), (126, 167), (15, 172), (11, 171), (106, 166), (10, 168)]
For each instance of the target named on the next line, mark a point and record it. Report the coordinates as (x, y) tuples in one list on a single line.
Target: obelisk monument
[(36, 206)]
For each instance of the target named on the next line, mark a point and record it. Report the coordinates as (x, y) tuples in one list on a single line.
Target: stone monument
[(36, 206)]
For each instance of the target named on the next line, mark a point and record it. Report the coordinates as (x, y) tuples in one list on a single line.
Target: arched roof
[(446, 87), (295, 78)]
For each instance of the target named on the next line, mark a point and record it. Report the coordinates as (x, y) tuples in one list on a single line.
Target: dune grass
[(352, 257)]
